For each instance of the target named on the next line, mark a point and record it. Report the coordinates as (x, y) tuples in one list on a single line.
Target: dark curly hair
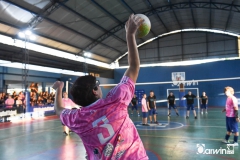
[(82, 90)]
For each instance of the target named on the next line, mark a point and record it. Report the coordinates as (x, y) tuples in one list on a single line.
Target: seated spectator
[(9, 102), (49, 99), (40, 101), (5, 97), (1, 101), (19, 105), (52, 97), (21, 95), (33, 98), (45, 96), (14, 96)]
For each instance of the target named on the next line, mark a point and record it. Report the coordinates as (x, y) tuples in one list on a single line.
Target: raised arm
[(58, 104), (133, 57)]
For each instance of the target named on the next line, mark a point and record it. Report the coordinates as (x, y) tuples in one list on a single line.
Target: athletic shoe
[(235, 144), (202, 112), (131, 113), (177, 114), (187, 117), (156, 122), (195, 117), (169, 115), (65, 133), (225, 141), (151, 122), (138, 115), (206, 112), (147, 125)]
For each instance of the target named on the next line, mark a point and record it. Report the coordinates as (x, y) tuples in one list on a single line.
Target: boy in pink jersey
[(68, 104), (232, 118), (103, 124), (144, 110)]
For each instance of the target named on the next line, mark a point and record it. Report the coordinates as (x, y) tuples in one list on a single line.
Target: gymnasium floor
[(176, 139)]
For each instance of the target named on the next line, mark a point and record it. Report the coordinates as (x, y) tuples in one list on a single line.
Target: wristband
[(236, 113)]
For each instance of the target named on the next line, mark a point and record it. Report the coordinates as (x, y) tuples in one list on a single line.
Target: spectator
[(9, 102), (19, 104)]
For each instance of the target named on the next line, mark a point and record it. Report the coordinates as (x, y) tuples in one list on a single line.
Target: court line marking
[(154, 153), (154, 136), (148, 128), (25, 124), (207, 126), (31, 133)]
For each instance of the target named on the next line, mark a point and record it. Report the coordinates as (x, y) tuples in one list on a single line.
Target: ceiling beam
[(44, 36), (171, 7), (229, 15), (89, 21), (132, 11), (195, 26), (159, 18), (61, 25), (38, 19), (210, 16), (107, 12)]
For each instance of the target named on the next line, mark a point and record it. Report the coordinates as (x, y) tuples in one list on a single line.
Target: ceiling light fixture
[(27, 34)]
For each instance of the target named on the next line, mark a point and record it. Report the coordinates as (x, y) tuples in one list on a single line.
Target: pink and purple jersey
[(68, 103), (105, 128), (230, 104), (144, 105)]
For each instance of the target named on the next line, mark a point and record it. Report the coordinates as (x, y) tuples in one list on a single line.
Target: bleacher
[(5, 114), (35, 111)]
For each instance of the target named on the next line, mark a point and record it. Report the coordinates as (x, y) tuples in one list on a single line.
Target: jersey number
[(105, 125)]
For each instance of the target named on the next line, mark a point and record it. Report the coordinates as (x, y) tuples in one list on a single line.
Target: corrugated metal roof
[(98, 26)]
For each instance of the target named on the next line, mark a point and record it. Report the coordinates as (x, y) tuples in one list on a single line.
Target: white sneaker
[(225, 141), (138, 115), (235, 144), (202, 112), (206, 112)]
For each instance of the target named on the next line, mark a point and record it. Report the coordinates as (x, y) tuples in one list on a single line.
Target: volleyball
[(145, 27)]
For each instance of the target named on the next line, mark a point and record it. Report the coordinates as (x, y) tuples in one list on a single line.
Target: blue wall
[(213, 70), (214, 89)]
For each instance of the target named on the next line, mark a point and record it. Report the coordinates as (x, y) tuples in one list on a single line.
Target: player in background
[(68, 104), (171, 104), (134, 103), (144, 110), (190, 103), (151, 103), (232, 117), (203, 102)]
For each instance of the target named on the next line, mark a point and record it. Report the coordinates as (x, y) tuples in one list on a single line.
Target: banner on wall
[(179, 77)]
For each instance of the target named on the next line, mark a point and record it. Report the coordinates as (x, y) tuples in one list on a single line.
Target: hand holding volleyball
[(144, 27), (138, 24), (132, 24)]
